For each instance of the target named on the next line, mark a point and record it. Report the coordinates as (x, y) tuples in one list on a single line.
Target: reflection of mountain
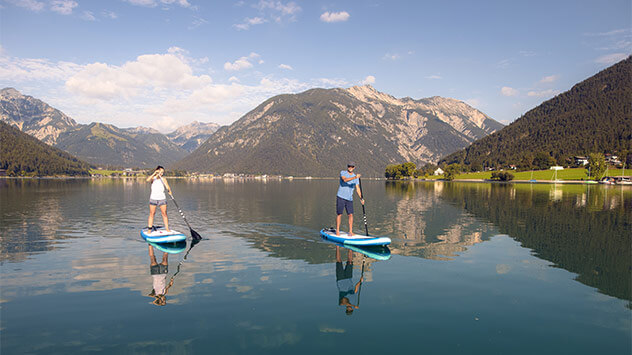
[(21, 236), (428, 227), (587, 233)]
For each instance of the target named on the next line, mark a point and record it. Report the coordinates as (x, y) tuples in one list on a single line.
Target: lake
[(474, 268)]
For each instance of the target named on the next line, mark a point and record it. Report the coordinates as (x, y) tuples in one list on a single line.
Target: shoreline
[(258, 178)]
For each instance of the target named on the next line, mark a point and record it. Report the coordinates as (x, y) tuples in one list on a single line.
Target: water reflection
[(158, 273), (431, 228), (583, 229), (348, 292), (160, 270)]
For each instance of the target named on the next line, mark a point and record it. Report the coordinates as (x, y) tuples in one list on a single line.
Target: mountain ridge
[(302, 134), (594, 115)]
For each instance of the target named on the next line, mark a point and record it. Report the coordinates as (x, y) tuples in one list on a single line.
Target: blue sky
[(165, 63)]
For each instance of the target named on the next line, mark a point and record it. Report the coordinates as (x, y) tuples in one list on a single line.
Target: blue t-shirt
[(346, 188)]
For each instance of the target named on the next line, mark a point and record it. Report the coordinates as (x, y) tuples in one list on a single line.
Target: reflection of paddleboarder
[(159, 277), (347, 291), (159, 274)]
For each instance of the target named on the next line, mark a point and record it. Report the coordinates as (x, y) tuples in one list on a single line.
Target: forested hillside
[(21, 154), (593, 116)]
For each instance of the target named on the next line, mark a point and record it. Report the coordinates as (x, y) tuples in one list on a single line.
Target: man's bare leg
[(351, 224), (338, 220)]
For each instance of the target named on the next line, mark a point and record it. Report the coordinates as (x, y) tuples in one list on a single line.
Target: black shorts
[(342, 204), (344, 273), (158, 269)]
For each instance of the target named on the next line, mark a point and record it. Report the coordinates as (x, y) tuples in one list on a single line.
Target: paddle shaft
[(179, 210), (361, 281), (366, 226), (194, 234)]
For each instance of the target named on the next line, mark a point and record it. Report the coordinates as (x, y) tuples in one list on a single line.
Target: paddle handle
[(366, 226)]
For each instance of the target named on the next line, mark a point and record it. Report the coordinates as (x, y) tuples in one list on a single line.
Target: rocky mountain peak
[(33, 116), (10, 93)]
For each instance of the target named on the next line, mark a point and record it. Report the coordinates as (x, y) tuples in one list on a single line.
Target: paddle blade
[(195, 235)]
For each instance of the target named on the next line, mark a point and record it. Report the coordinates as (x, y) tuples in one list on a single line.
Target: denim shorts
[(342, 204), (157, 202)]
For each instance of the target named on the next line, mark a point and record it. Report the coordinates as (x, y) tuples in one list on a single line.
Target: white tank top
[(157, 190)]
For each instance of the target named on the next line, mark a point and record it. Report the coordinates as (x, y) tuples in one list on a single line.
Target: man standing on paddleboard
[(344, 197)]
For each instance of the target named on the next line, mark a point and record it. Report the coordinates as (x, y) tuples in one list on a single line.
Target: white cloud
[(160, 90), (611, 58), (528, 53), (19, 70), (549, 79), (88, 16), (434, 77), (109, 14), (278, 11), (153, 3), (32, 5), (390, 56), (289, 8), (250, 22), (543, 93), (148, 72), (285, 66), (334, 16), (370, 79), (197, 22), (609, 33), (241, 63), (63, 7), (332, 82), (508, 91)]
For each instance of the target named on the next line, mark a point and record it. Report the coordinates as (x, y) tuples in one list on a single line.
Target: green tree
[(502, 176), (596, 166), (543, 161), (451, 171), (408, 169)]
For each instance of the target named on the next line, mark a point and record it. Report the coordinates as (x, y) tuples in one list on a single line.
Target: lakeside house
[(579, 160), (612, 159), (439, 171)]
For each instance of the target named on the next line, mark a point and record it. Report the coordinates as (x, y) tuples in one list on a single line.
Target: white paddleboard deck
[(355, 239), (160, 235)]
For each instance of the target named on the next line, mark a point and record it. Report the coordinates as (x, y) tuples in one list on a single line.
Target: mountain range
[(99, 143), (318, 131), (595, 115)]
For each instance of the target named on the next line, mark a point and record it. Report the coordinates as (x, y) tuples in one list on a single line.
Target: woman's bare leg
[(152, 212), (163, 210), (152, 257)]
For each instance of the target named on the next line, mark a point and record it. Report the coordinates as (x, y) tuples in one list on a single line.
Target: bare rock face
[(317, 131), (190, 136), (33, 116)]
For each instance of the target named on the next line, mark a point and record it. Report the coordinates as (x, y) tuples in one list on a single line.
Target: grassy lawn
[(566, 174)]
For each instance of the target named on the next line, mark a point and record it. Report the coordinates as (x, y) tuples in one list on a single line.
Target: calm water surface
[(474, 268)]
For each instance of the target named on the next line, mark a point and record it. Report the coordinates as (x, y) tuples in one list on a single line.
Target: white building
[(439, 171)]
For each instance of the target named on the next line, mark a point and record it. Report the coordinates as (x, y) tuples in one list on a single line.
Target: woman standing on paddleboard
[(158, 197)]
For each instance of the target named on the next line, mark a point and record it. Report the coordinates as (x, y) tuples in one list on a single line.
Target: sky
[(166, 63)]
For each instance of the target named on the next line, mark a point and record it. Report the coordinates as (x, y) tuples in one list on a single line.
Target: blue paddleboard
[(160, 235), (170, 248), (357, 240)]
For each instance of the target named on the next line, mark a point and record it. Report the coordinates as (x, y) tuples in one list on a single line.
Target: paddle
[(193, 243), (366, 227), (361, 281), (194, 235)]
